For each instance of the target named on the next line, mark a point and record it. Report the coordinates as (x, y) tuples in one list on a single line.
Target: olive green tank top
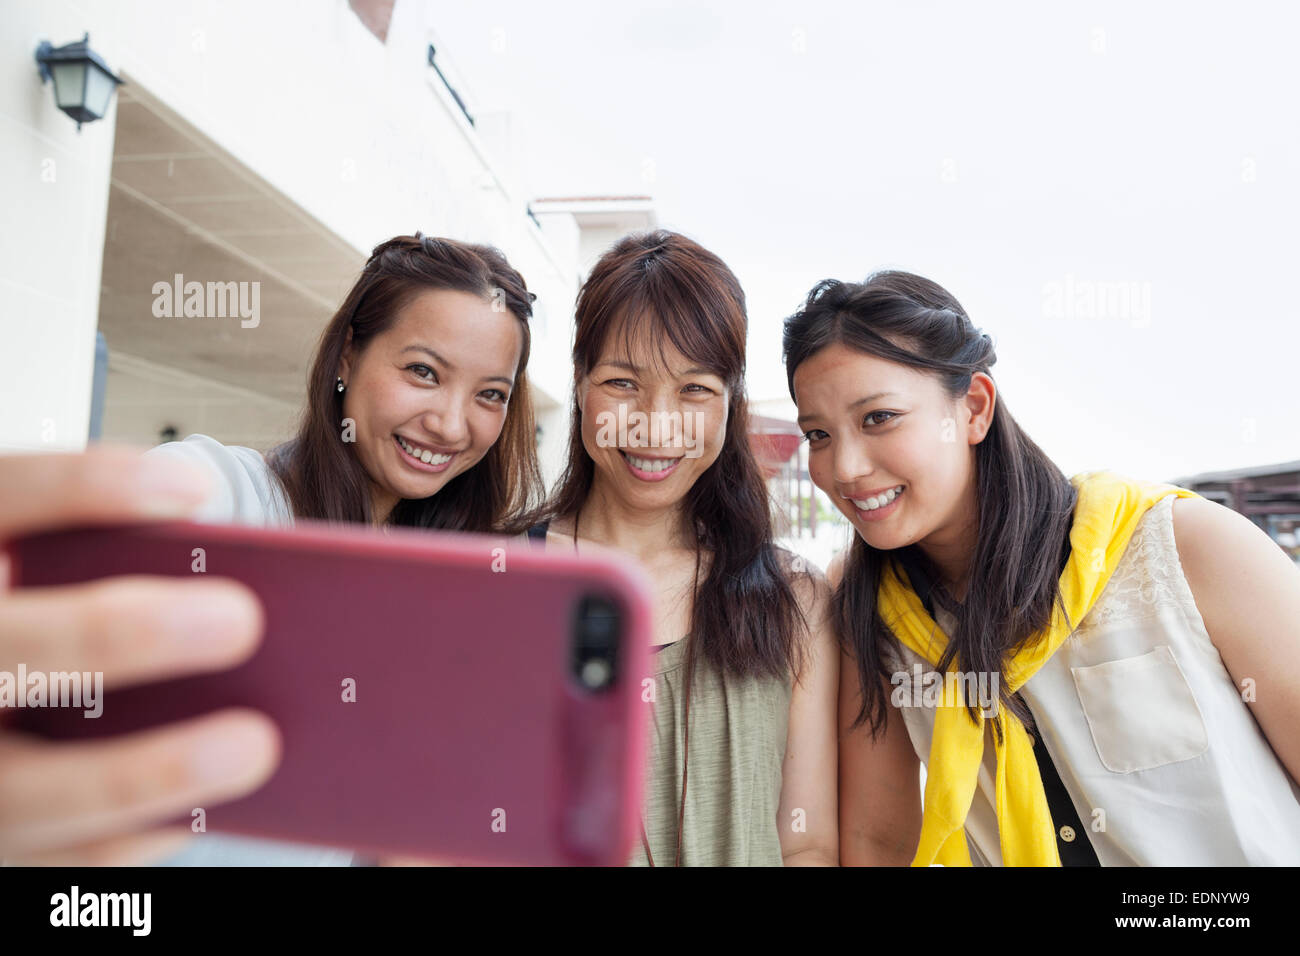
[(737, 748)]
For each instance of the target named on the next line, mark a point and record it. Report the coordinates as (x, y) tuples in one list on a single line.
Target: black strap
[(538, 531), (1078, 850)]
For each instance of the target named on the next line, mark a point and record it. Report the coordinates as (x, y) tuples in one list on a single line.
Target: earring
[(339, 385)]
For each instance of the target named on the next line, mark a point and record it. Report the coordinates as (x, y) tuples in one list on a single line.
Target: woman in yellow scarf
[(1109, 669)]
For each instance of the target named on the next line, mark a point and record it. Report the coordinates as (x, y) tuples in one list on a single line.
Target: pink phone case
[(470, 739)]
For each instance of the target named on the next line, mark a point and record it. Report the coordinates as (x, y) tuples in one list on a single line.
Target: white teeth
[(426, 456), (878, 501), (650, 464)]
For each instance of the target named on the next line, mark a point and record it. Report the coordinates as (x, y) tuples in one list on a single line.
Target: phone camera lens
[(594, 655)]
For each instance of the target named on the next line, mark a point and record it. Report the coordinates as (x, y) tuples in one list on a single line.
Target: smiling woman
[(418, 413), (423, 414), (1144, 640), (418, 410), (743, 757)]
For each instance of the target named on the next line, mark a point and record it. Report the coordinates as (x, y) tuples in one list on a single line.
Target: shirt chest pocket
[(1141, 711)]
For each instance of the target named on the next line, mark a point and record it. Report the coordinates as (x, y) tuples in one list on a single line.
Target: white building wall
[(54, 193), (363, 135)]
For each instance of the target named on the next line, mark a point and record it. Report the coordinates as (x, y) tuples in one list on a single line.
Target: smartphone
[(439, 695)]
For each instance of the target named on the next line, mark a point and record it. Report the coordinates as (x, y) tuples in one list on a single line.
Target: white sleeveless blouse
[(1160, 755)]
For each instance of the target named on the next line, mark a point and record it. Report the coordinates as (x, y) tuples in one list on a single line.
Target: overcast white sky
[(1003, 150)]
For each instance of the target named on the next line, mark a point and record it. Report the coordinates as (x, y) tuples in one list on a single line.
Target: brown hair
[(321, 473), (1026, 503), (667, 287)]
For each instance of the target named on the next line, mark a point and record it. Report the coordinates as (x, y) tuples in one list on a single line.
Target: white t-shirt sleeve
[(244, 490)]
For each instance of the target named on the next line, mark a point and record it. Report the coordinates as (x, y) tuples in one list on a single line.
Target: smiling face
[(889, 447), (651, 431), (429, 395)]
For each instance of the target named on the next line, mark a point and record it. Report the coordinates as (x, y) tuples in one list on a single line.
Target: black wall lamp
[(83, 83)]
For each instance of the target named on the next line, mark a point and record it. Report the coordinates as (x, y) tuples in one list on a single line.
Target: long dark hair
[(746, 617), (1026, 503), (321, 473)]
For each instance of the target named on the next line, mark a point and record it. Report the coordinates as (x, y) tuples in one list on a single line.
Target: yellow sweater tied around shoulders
[(1106, 514)]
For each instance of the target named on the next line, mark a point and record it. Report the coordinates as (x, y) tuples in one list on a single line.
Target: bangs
[(660, 315)]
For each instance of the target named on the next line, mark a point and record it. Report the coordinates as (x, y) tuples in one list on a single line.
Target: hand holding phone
[(101, 802), (438, 695)]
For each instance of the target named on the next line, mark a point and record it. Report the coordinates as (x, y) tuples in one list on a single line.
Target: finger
[(131, 628), (105, 484), (136, 850), (63, 795)]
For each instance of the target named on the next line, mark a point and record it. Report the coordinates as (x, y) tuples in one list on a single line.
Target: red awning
[(774, 441)]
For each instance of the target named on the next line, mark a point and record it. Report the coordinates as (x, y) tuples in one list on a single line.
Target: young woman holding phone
[(743, 753), (1145, 637), (418, 411), (418, 414)]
